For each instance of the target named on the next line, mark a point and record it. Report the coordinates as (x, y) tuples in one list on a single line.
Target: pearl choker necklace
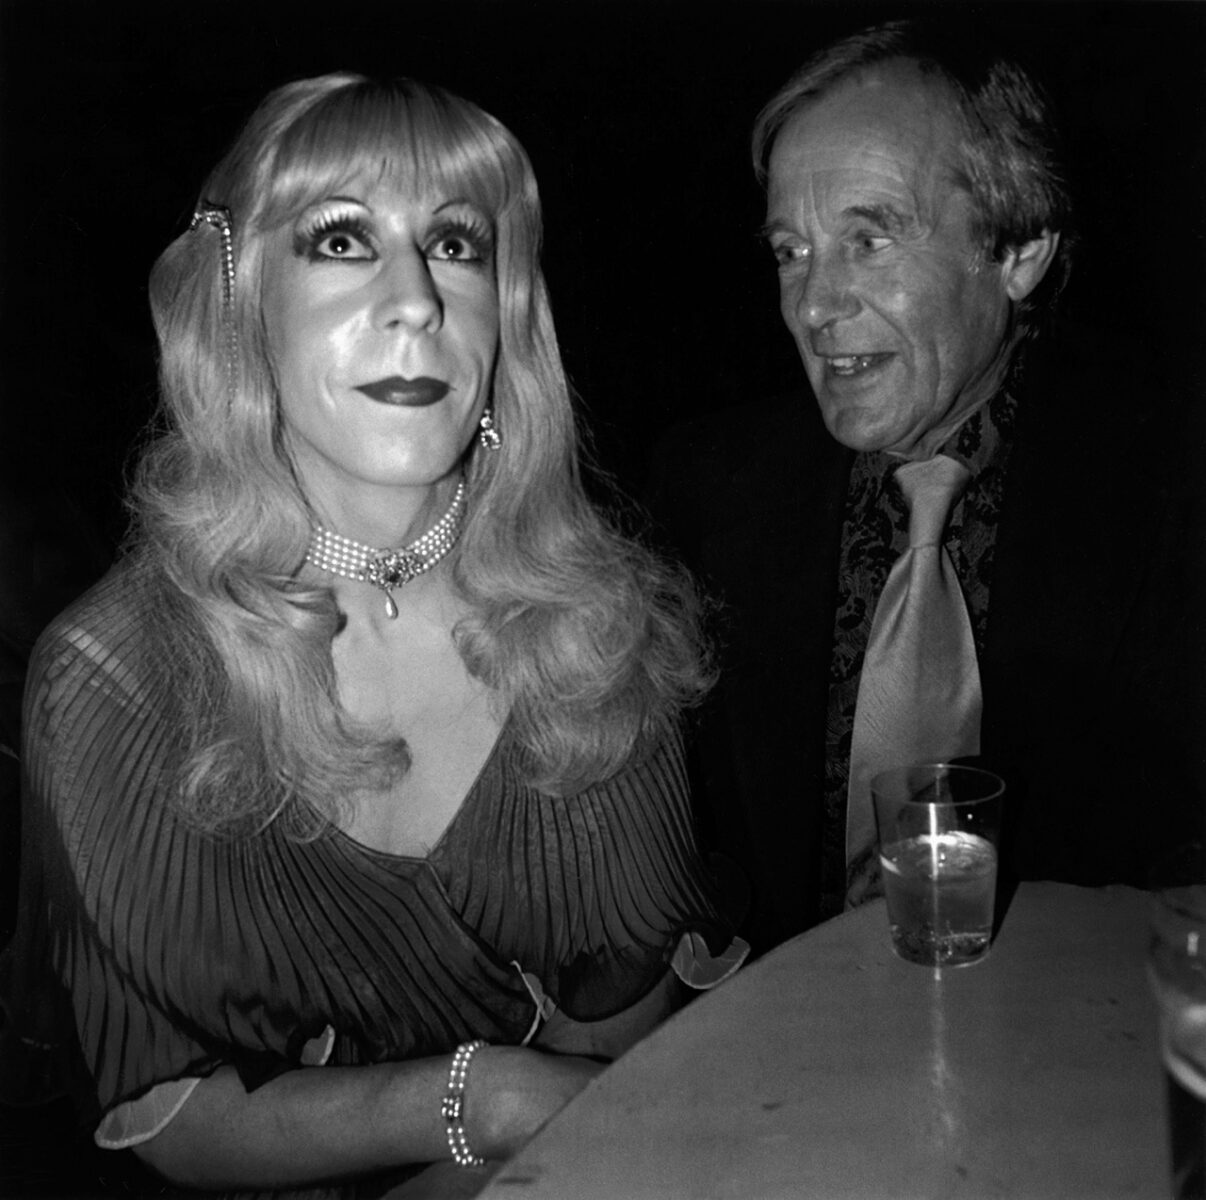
[(388, 569)]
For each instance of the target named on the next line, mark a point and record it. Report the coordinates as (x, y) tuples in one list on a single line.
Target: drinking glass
[(939, 829), (1176, 966)]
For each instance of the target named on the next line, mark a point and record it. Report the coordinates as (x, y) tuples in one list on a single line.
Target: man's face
[(899, 320)]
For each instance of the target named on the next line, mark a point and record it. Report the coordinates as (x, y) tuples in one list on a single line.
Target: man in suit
[(917, 213)]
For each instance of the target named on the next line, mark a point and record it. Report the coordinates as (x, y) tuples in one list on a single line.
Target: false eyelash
[(473, 230), (308, 237)]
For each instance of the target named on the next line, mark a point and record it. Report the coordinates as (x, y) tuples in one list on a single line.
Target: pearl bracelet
[(453, 1106)]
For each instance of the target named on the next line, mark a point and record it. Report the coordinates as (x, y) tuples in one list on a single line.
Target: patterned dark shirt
[(875, 532)]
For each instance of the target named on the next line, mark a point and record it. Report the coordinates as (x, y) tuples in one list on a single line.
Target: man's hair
[(1008, 158), (588, 640)]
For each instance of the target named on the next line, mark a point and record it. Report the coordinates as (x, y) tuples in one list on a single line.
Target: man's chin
[(858, 430)]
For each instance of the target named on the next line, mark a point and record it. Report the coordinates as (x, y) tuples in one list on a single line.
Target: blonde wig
[(590, 642)]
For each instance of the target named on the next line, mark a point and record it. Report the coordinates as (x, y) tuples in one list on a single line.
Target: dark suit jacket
[(1092, 669)]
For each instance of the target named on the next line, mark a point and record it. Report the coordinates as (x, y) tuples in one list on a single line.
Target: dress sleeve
[(136, 1121), (85, 1009), (594, 894), (646, 899)]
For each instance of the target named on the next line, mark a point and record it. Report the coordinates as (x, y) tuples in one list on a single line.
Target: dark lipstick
[(411, 393)]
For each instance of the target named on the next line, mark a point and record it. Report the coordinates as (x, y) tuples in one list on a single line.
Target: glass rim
[(942, 770)]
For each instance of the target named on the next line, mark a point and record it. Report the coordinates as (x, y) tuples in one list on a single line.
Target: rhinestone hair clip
[(218, 216)]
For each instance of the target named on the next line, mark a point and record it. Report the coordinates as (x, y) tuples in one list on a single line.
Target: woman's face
[(381, 312)]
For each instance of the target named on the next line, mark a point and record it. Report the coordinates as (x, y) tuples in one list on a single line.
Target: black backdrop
[(636, 116)]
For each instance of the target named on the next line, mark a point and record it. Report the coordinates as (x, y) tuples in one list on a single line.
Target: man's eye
[(870, 243), (789, 254)]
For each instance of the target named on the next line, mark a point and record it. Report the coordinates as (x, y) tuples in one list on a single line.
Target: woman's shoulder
[(119, 602), (101, 643)]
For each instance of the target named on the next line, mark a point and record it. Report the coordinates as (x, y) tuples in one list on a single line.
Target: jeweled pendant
[(388, 569)]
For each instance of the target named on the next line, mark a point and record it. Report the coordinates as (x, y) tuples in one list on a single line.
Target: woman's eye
[(340, 243), (335, 240), (454, 247), (460, 245)]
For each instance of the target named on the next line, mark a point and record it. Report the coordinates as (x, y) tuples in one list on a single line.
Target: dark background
[(636, 117)]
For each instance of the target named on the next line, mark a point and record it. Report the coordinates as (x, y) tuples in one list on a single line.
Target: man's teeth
[(851, 364)]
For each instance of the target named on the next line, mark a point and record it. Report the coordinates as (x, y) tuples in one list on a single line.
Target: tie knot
[(930, 489)]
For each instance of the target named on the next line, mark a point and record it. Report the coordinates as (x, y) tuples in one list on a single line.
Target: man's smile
[(848, 365)]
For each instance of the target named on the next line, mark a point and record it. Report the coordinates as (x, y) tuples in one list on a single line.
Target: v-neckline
[(465, 804)]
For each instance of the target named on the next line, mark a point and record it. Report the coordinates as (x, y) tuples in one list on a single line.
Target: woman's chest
[(450, 723), (281, 940), (448, 752)]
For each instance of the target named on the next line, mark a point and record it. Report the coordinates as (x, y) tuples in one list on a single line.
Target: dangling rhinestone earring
[(487, 434)]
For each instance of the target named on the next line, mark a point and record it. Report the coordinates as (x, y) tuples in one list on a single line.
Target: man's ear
[(1024, 266)]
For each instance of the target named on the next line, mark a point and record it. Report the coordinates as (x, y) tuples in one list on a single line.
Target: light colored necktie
[(919, 690)]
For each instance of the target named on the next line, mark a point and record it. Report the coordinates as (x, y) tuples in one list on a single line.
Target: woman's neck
[(386, 519), (393, 573)]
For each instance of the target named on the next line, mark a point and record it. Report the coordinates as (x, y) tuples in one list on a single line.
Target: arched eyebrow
[(460, 202), (339, 198)]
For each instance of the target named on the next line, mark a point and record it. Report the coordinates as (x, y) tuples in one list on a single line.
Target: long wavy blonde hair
[(589, 640)]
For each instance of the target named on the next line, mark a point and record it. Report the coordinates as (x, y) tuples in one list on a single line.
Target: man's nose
[(828, 294), (407, 294)]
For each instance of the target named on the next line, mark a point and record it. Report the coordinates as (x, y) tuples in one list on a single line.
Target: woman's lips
[(411, 393)]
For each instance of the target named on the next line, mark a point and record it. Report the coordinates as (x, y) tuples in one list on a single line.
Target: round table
[(830, 1068)]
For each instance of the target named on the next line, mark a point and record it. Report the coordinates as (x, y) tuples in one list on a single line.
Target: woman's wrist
[(513, 1090), (452, 1107)]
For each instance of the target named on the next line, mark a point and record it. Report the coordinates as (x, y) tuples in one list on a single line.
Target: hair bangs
[(423, 141)]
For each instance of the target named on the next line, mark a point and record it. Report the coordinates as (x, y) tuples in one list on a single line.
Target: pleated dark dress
[(148, 952)]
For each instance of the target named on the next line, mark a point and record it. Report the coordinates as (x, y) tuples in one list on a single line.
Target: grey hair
[(1009, 157)]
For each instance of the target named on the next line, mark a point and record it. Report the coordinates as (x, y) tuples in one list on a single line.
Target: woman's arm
[(323, 1123), (609, 1038)]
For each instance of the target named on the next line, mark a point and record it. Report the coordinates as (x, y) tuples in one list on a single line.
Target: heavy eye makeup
[(461, 237), (349, 236), (334, 236)]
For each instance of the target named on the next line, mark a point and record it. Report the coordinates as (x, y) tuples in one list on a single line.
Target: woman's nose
[(407, 295)]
